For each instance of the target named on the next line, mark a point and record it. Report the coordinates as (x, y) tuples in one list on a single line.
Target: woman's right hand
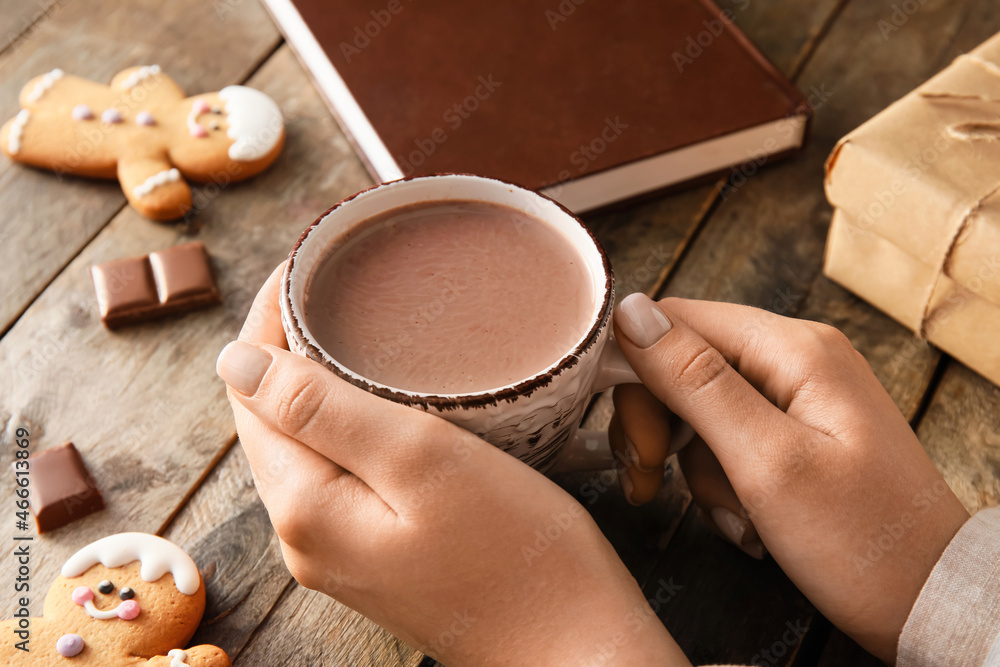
[(798, 436)]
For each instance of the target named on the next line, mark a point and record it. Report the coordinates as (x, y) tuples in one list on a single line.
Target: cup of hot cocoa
[(474, 299)]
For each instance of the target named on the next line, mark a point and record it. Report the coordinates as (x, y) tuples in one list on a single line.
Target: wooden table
[(149, 415)]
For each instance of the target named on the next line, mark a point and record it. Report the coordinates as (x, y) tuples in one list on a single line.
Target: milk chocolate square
[(142, 288), (183, 273), (60, 489), (123, 286)]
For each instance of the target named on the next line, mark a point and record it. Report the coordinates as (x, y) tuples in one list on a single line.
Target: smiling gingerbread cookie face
[(149, 619), (144, 131), (129, 599), (235, 131)]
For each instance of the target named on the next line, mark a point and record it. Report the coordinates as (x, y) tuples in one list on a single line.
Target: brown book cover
[(589, 101)]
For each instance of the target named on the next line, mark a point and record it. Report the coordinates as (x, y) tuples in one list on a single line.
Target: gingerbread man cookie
[(144, 131), (128, 599)]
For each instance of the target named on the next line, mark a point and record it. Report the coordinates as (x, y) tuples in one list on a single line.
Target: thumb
[(696, 381)]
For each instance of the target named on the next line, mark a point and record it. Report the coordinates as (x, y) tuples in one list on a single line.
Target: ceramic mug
[(536, 419)]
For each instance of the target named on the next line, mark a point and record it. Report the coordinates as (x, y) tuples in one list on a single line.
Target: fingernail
[(641, 320), (242, 366), (627, 486), (754, 549), (731, 525)]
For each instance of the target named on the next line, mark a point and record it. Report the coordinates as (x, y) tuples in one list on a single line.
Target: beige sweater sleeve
[(956, 619)]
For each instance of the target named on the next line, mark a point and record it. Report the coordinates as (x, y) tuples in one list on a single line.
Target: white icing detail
[(101, 614), (140, 75), (16, 130), (155, 181), (178, 658), (157, 555), (44, 84), (255, 122)]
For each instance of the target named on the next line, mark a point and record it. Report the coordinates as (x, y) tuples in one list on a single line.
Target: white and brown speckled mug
[(535, 419)]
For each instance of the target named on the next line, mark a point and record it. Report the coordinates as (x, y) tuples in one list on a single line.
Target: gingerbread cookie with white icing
[(143, 130), (126, 600)]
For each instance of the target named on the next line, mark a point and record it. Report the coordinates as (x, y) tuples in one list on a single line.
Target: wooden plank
[(307, 628), (226, 530), (202, 45), (724, 607), (961, 433), (19, 18), (763, 246), (143, 404)]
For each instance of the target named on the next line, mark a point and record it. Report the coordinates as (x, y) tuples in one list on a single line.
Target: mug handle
[(590, 450)]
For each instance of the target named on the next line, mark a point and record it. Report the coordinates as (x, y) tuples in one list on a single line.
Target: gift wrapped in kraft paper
[(916, 226)]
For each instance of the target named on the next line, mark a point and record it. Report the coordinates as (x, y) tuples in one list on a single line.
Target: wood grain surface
[(48, 219), (143, 404)]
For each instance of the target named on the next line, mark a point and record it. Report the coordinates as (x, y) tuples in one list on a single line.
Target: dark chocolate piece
[(60, 489), (143, 288)]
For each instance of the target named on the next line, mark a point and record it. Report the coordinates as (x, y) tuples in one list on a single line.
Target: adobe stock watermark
[(954, 301), (781, 646), (695, 45), (562, 12), (638, 277), (586, 153), (362, 35), (900, 16), (556, 526), (740, 174), (453, 117), (223, 8), (458, 625), (635, 621), (892, 533), (386, 352), (908, 173)]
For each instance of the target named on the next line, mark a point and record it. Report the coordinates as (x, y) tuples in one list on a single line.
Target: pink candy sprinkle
[(201, 106), (69, 646), (198, 131), (82, 595), (82, 112), (145, 118), (111, 116), (128, 610)]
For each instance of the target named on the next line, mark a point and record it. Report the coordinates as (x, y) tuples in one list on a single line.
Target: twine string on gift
[(946, 258), (971, 131)]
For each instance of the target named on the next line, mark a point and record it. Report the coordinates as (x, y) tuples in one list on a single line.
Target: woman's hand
[(452, 545), (817, 454)]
